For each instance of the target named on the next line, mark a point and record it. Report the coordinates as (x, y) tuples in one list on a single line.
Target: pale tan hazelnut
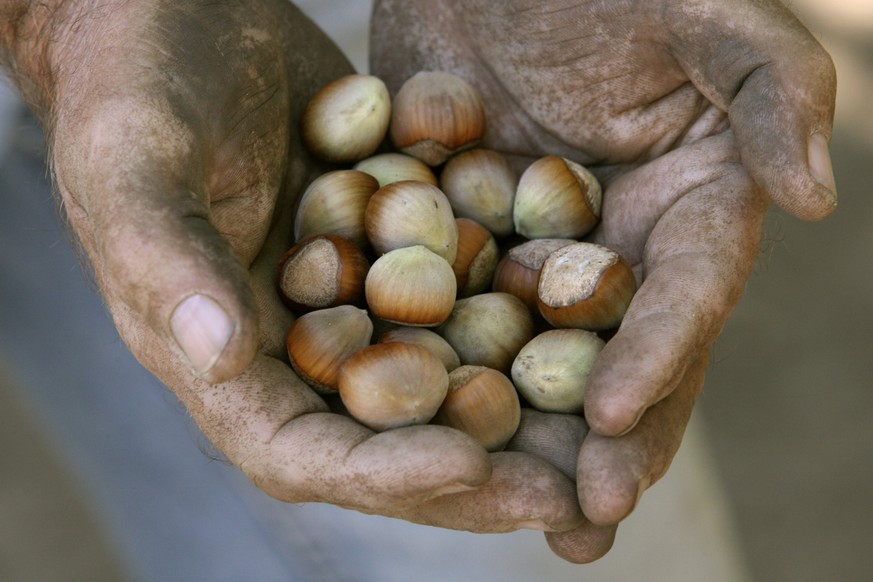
[(410, 213), (556, 198), (551, 371), (481, 185), (334, 203), (488, 329), (425, 338), (393, 167), (347, 119)]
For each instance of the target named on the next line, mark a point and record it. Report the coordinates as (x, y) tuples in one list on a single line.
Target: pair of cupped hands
[(174, 131)]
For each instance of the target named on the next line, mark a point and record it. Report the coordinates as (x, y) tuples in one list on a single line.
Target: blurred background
[(788, 401), (772, 483)]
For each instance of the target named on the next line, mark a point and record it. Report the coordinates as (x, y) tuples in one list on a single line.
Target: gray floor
[(786, 408)]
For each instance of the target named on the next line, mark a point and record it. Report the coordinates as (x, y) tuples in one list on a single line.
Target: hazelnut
[(391, 385), (434, 115), (585, 285), (347, 119), (393, 167), (556, 198), (319, 341), (518, 272), (477, 258), (334, 203), (408, 213), (488, 329), (480, 184), (482, 403), (324, 270), (411, 286), (425, 338), (551, 371)]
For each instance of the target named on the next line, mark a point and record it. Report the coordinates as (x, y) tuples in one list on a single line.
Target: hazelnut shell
[(436, 114), (410, 213), (323, 270), (334, 203), (586, 286), (556, 198), (411, 286), (320, 341), (482, 403), (391, 385), (347, 119)]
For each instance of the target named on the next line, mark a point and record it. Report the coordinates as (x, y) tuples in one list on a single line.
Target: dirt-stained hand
[(174, 132), (695, 115)]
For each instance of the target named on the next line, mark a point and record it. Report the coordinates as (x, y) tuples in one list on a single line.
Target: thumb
[(135, 202), (756, 61)]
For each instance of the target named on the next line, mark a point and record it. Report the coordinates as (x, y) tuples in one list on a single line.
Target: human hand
[(693, 115), (173, 131)]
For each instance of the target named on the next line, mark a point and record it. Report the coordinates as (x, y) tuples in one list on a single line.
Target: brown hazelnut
[(436, 114), (319, 341), (324, 270), (476, 259), (411, 286), (482, 403), (392, 385), (586, 286)]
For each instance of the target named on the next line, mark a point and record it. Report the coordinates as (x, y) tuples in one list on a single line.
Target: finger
[(696, 262), (151, 244), (170, 194), (331, 458), (133, 178), (759, 63), (555, 438), (615, 471), (582, 545), (523, 492)]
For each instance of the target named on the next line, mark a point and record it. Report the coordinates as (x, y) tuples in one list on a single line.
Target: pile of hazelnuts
[(483, 294)]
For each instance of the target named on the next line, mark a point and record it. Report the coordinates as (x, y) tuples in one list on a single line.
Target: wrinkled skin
[(175, 149)]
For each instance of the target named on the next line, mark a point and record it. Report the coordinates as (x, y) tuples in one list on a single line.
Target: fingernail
[(820, 163), (534, 524), (452, 488), (202, 329), (634, 423), (641, 488)]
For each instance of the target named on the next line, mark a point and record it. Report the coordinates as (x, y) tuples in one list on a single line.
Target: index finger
[(704, 239)]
